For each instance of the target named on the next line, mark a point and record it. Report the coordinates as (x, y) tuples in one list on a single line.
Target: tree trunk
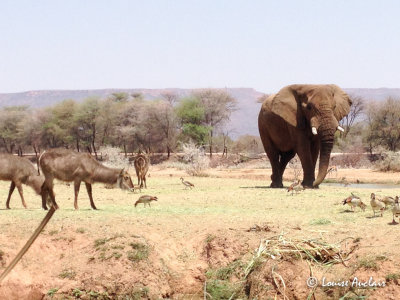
[(5, 145), (35, 150), (211, 144), (93, 140)]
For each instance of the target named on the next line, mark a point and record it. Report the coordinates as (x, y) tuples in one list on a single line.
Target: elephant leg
[(12, 187), (89, 191), (276, 176), (285, 158), (273, 156), (306, 160)]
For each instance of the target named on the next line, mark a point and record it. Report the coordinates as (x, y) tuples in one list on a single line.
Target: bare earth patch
[(200, 241)]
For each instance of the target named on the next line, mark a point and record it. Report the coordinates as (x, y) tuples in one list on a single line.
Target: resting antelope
[(68, 165), (141, 164), (19, 171)]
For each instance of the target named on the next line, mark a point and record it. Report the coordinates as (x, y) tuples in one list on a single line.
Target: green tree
[(165, 123), (191, 115), (218, 106), (86, 121), (10, 123), (59, 126), (119, 97)]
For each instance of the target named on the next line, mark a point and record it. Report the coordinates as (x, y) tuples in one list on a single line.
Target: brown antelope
[(19, 171), (141, 164), (68, 165)]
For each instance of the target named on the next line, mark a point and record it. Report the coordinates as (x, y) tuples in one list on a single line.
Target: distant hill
[(243, 121)]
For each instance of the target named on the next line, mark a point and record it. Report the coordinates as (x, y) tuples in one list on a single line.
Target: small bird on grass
[(187, 184), (298, 189), (145, 199), (396, 209), (354, 201), (293, 185), (388, 201), (377, 204)]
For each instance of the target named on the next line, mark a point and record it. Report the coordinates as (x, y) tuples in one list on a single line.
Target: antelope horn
[(314, 130)]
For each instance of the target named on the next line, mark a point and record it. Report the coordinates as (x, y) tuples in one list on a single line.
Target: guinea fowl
[(145, 199), (187, 183), (376, 204), (354, 201)]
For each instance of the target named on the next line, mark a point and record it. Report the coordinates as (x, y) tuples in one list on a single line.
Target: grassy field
[(168, 250)]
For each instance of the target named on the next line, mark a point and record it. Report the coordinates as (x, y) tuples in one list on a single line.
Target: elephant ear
[(342, 101), (286, 105)]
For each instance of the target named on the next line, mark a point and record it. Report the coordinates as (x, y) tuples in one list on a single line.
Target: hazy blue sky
[(265, 45)]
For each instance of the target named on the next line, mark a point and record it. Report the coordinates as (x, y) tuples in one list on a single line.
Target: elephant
[(302, 119)]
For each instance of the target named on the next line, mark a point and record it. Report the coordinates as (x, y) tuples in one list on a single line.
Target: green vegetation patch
[(320, 221), (370, 262), (67, 273), (139, 251), (52, 292)]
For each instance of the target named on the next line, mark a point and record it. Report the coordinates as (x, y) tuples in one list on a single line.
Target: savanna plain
[(230, 237)]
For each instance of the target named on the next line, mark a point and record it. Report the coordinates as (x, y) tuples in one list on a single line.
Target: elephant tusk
[(314, 130), (340, 129)]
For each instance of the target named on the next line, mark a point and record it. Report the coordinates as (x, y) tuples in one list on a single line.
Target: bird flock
[(378, 205), (146, 199)]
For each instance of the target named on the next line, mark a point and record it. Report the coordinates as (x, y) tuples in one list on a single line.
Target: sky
[(258, 44)]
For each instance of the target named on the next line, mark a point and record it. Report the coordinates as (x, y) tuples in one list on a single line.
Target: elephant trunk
[(326, 139)]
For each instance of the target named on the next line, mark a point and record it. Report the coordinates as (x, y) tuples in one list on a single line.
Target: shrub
[(390, 161), (113, 158), (196, 159)]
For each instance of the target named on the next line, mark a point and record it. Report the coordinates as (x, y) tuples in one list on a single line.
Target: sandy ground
[(167, 250)]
